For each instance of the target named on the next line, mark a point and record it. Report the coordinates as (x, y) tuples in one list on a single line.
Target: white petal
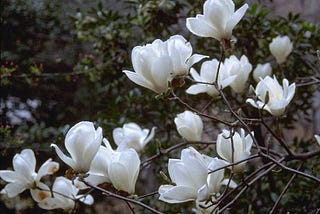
[(24, 163), (9, 176), (195, 58), (14, 189), (197, 89), (179, 173), (118, 135), (236, 17), (86, 199), (40, 194), (232, 184), (176, 194), (63, 157), (136, 78), (48, 168), (119, 177), (150, 136), (200, 27)]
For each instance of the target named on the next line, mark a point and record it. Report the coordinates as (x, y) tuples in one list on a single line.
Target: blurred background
[(62, 62)]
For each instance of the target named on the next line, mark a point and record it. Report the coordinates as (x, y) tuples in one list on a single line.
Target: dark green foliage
[(70, 58)]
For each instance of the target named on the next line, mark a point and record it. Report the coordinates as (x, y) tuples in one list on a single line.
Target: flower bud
[(189, 125), (261, 71), (280, 48)]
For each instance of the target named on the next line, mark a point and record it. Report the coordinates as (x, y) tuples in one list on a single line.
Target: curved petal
[(291, 92), (236, 17), (223, 147), (91, 149), (197, 89), (139, 80), (86, 199), (176, 194), (178, 173), (63, 157), (96, 179), (118, 135), (119, 177), (28, 156), (48, 168), (9, 176), (195, 58), (14, 189), (149, 136), (200, 27), (24, 164), (42, 193)]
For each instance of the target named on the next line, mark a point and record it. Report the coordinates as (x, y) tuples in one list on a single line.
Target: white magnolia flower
[(241, 68), (241, 146), (272, 96), (98, 172), (214, 180), (82, 142), (64, 195), (132, 136), (24, 176), (189, 125), (156, 64), (261, 71), (123, 170), (189, 174), (280, 48), (317, 137), (191, 178), (218, 19), (208, 73)]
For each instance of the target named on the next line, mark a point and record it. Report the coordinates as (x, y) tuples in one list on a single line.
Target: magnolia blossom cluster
[(158, 63), (232, 72), (198, 177), (98, 163), (194, 176), (62, 194)]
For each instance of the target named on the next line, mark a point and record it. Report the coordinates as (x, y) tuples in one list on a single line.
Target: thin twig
[(245, 188), (292, 170), (273, 210), (111, 194)]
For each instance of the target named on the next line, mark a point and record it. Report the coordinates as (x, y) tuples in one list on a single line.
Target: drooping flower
[(189, 125), (261, 71), (64, 195), (132, 136), (123, 170), (280, 48), (272, 96), (208, 73), (218, 19), (82, 142), (156, 64), (241, 146), (24, 176), (241, 69)]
